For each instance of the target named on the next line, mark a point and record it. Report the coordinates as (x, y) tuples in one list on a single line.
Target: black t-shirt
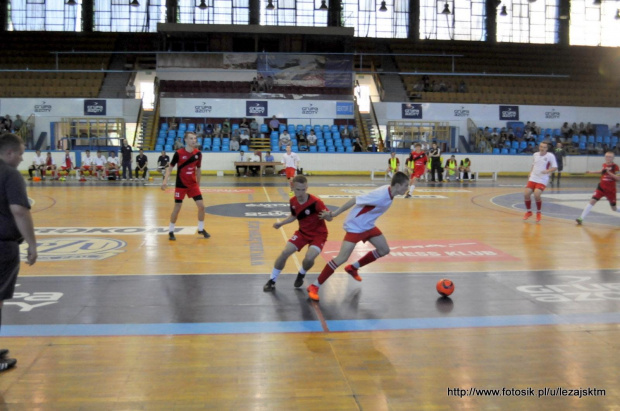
[(163, 161), (12, 192), (126, 154), (141, 160)]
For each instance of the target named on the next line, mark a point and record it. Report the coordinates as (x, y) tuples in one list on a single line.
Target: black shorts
[(9, 268)]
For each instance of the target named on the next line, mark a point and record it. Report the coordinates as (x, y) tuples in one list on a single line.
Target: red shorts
[(365, 236), (191, 192), (299, 240), (535, 186), (64, 168), (418, 172), (290, 172), (609, 192), (99, 168)]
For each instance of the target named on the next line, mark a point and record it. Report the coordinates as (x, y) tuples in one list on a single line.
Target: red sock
[(528, 205), (328, 270), (368, 258), (539, 205)]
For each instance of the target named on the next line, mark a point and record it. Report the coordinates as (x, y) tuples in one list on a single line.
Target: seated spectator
[(311, 138), (357, 146), (301, 137), (254, 85), (565, 130), (574, 129), (285, 139), (345, 133), (254, 128), (142, 163), (269, 83), (244, 138), (615, 130), (162, 163), (535, 129), (582, 128), (37, 164), (217, 130), (8, 123), (590, 129), (18, 123), (442, 86), (274, 124), (261, 84), (242, 158), (419, 86), (462, 87), (255, 158), (209, 130), (244, 124), (226, 128), (486, 133), (178, 144), (234, 144)]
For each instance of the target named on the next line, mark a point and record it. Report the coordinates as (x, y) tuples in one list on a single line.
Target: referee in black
[(15, 224), (435, 155)]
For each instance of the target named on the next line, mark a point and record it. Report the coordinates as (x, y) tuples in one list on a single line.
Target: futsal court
[(115, 316)]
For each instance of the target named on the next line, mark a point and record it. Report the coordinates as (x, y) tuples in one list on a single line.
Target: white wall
[(365, 162)]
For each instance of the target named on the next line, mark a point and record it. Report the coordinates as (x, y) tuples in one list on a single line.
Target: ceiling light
[(323, 5), (134, 3), (446, 9), (270, 5), (71, 3), (383, 7), (504, 12), (202, 5)]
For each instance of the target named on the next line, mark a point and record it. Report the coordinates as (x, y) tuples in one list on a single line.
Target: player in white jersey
[(100, 163), (88, 166), (360, 226), (544, 164), (291, 164)]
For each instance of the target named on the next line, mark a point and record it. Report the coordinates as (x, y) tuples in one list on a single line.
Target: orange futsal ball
[(445, 287)]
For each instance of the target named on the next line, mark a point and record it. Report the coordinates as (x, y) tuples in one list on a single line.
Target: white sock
[(411, 189), (77, 174), (274, 274), (302, 271), (316, 283), (586, 211), (461, 175), (201, 225), (171, 228), (356, 265)]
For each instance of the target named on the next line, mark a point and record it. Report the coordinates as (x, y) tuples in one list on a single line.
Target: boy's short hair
[(9, 141), (417, 145), (399, 178), (300, 179)]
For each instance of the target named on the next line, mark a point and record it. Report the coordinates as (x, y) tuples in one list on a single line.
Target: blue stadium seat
[(275, 134), (522, 145), (182, 127), (349, 149), (513, 151), (191, 127), (331, 149), (591, 139), (172, 133), (263, 128), (159, 147), (575, 139), (181, 133), (215, 148), (515, 144), (164, 126), (325, 129), (282, 128), (614, 141), (336, 135), (244, 148), (606, 140), (496, 151), (313, 149), (504, 151), (322, 150), (168, 148), (327, 135), (334, 129), (340, 149)]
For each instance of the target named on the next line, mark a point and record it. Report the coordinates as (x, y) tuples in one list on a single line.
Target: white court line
[(295, 259)]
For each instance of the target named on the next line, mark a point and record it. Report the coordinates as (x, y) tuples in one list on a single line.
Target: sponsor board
[(253, 210), (94, 107), (344, 109), (462, 112), (426, 250), (203, 108), (411, 110), (576, 289), (115, 231), (256, 108), (510, 113), (42, 108), (310, 110), (552, 114), (75, 248)]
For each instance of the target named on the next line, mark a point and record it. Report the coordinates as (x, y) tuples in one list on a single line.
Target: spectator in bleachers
[(217, 130), (244, 138), (254, 85), (269, 83), (419, 86), (244, 124), (8, 123), (18, 123), (226, 128), (285, 139), (274, 124), (254, 128), (312, 138), (178, 144), (462, 87), (442, 86), (582, 128), (590, 129), (615, 130), (234, 144), (302, 140), (261, 84), (486, 133), (565, 130), (357, 146), (345, 133)]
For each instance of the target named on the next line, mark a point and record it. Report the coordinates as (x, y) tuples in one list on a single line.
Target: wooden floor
[(497, 331)]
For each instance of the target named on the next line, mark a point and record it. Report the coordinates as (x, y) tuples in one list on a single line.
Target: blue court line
[(76, 330)]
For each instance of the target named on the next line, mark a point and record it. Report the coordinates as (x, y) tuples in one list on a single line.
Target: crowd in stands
[(275, 134), (426, 85), (8, 125), (582, 138)]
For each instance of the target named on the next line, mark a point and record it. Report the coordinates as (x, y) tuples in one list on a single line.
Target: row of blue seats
[(608, 140), (291, 128)]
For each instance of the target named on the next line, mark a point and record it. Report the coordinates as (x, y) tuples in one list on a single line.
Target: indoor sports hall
[(116, 316)]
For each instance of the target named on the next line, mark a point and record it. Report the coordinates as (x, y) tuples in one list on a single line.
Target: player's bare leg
[(308, 262), (173, 220), (278, 265), (201, 219)]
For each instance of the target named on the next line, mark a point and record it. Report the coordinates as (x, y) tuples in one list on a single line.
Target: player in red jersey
[(606, 187), (189, 159), (419, 159), (312, 231)]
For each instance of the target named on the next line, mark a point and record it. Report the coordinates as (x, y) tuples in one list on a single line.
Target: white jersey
[(100, 161), (38, 160), (290, 161), (540, 164), (367, 209), (88, 161), (113, 160)]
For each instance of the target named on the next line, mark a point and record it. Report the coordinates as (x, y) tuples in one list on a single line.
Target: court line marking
[(494, 272), (76, 330), (319, 314), (295, 259)]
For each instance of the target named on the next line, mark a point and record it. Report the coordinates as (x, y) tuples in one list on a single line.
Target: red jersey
[(187, 165), (68, 162), (607, 182), (419, 159), (308, 216)]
